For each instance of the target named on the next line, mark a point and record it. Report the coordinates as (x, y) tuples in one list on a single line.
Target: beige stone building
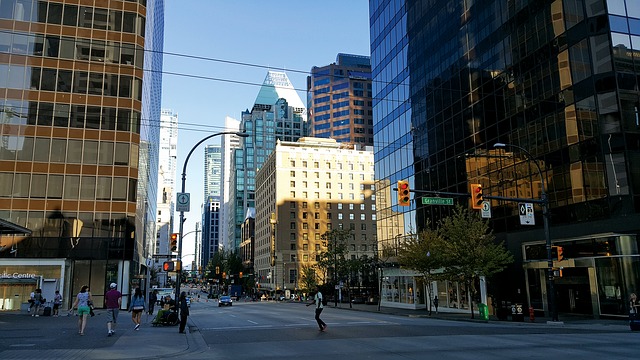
[(312, 186)]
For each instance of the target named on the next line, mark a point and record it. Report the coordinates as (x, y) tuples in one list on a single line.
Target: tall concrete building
[(277, 114), (312, 186), (339, 100), (556, 83), (75, 145), (230, 144)]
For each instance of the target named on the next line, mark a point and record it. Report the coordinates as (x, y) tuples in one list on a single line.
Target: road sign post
[(485, 210)]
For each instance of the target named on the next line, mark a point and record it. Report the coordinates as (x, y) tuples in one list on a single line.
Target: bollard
[(532, 316)]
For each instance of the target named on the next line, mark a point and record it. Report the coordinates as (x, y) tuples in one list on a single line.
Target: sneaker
[(324, 327), (37, 315), (109, 333), (137, 326)]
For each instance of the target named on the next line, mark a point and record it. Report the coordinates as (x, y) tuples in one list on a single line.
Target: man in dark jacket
[(184, 312)]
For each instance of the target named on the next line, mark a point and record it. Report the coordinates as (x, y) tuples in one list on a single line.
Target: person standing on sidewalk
[(153, 298), (38, 301), (113, 301), (57, 301), (184, 312), (82, 304), (317, 300), (137, 307)]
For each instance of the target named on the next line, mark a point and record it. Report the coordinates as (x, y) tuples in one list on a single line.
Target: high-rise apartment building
[(339, 100), (74, 141), (278, 113), (312, 186), (167, 174), (556, 82)]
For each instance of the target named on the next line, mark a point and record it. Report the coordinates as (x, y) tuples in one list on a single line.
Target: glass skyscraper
[(555, 78)]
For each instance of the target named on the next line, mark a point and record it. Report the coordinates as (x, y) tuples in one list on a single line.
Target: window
[(339, 206), (292, 173), (316, 164), (292, 194), (305, 257), (329, 226), (363, 226), (304, 204), (361, 206), (316, 216), (328, 185), (305, 247), (304, 215), (317, 247), (316, 205), (292, 163), (292, 215), (292, 183), (339, 216), (292, 246), (305, 226), (292, 225), (316, 185), (351, 216), (363, 217), (317, 237), (350, 206), (304, 163)]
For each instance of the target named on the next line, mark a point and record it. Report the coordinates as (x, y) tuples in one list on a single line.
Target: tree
[(469, 248), (424, 254), (335, 242), (308, 278)]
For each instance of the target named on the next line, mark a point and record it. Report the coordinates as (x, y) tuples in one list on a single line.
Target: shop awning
[(9, 228)]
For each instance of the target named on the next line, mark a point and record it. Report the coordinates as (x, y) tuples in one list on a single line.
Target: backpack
[(324, 300)]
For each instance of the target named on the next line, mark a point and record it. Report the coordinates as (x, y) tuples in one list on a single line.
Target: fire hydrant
[(532, 315)]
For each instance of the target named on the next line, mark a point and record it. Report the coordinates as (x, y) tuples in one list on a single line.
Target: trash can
[(483, 310)]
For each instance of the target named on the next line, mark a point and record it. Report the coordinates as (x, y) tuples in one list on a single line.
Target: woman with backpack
[(317, 300), (138, 305)]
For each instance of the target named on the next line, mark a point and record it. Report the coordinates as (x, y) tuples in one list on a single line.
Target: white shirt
[(318, 300)]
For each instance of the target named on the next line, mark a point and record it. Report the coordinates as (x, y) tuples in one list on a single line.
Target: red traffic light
[(167, 266), (403, 193), (174, 236), (476, 196)]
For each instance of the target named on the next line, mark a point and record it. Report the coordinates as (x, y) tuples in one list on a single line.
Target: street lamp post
[(273, 221), (184, 179), (544, 201)]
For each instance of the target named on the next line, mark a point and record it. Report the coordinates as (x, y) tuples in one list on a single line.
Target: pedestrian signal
[(476, 196), (174, 242), (240, 274), (404, 198), (167, 266)]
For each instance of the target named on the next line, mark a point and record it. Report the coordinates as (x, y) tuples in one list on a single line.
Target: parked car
[(225, 301)]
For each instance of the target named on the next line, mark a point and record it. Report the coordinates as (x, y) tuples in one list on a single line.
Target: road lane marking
[(253, 322)]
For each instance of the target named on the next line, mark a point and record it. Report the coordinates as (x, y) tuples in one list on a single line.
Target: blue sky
[(293, 35)]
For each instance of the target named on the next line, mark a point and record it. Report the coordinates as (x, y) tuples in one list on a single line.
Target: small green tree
[(308, 278), (424, 254), (469, 249)]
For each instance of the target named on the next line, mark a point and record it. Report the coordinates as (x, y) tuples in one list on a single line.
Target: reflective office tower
[(74, 141), (277, 114), (229, 145), (167, 173), (211, 219), (556, 82), (339, 100)]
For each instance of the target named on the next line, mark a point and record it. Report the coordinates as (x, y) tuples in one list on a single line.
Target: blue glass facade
[(556, 78)]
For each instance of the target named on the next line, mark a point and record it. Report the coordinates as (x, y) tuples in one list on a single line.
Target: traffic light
[(240, 274), (476, 196), (174, 242), (559, 253), (167, 266), (403, 193), (178, 266), (217, 270)]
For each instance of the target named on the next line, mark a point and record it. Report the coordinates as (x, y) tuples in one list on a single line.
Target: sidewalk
[(26, 337)]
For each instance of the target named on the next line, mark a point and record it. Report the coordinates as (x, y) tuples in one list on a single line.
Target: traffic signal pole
[(182, 219)]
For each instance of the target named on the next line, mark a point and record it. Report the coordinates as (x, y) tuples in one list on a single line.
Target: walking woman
[(184, 312), (137, 307), (82, 304)]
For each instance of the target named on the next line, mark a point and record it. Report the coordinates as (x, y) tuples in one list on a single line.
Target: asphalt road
[(268, 330)]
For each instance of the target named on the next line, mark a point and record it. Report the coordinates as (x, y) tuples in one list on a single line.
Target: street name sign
[(437, 201)]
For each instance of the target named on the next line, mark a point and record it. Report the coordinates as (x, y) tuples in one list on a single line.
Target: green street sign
[(437, 201)]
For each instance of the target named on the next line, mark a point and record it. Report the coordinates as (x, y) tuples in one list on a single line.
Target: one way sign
[(526, 214)]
